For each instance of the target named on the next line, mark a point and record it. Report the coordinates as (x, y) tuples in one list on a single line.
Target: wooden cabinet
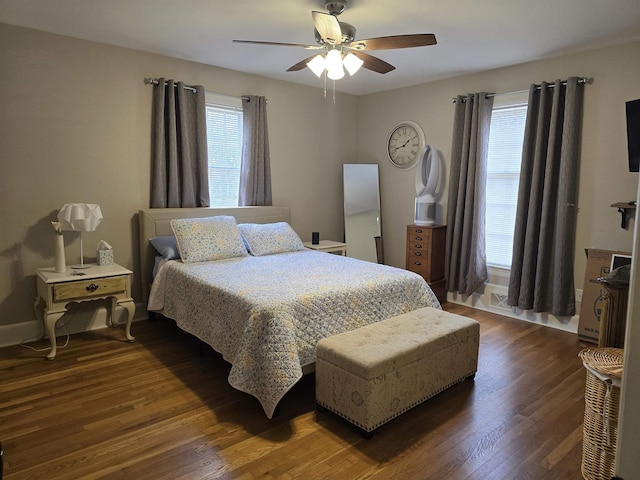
[(425, 255)]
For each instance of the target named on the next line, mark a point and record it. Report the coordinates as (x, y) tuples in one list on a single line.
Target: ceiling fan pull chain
[(325, 84)]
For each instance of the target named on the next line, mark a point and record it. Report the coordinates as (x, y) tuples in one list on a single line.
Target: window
[(224, 145), (503, 174)]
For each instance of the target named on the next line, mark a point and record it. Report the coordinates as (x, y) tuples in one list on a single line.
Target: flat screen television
[(633, 134)]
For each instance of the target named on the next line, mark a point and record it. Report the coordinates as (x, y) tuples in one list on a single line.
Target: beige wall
[(75, 120), (604, 177)]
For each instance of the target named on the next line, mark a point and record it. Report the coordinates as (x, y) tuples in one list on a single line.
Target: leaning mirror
[(362, 212)]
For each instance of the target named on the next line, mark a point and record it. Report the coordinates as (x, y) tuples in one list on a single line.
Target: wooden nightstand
[(328, 246), (57, 290)]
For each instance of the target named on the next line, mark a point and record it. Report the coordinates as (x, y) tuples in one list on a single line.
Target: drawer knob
[(418, 254), (418, 245), (92, 287), (418, 230), (419, 239), (417, 263)]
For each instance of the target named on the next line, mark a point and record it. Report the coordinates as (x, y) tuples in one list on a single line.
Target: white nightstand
[(328, 246), (57, 290)]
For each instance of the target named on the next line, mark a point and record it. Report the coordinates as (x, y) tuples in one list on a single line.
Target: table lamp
[(80, 217)]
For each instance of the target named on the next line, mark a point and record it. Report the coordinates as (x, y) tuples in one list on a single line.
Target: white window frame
[(213, 100), (500, 271)]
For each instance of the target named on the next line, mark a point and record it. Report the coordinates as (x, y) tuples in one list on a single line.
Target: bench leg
[(367, 435)]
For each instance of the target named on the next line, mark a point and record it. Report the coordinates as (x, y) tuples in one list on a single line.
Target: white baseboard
[(493, 299), (82, 320)]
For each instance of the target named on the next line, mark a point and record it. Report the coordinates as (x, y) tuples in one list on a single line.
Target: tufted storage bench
[(374, 373)]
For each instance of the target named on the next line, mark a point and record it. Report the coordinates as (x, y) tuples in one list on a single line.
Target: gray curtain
[(255, 169), (179, 176), (544, 237), (465, 261)]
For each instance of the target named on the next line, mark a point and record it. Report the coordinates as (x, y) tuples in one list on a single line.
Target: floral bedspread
[(266, 314)]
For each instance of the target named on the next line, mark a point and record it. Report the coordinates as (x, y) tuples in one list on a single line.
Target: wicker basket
[(602, 399)]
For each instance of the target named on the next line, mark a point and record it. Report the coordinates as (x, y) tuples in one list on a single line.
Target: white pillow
[(269, 238), (210, 238)]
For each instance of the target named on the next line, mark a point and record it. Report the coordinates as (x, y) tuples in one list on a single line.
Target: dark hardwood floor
[(160, 408)]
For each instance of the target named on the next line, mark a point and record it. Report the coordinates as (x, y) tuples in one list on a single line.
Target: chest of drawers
[(425, 255)]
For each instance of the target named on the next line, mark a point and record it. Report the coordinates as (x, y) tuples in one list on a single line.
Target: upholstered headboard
[(155, 222)]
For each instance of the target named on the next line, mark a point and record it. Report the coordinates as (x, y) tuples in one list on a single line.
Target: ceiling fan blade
[(281, 44), (328, 27), (373, 63), (300, 65), (395, 41)]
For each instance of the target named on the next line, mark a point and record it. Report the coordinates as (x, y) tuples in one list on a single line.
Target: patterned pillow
[(166, 246), (210, 238), (269, 238)]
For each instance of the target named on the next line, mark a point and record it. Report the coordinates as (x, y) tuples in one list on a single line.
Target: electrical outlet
[(578, 295)]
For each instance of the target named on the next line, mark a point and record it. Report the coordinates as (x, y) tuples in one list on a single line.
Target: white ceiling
[(472, 35)]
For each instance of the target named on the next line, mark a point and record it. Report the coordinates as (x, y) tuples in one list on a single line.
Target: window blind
[(503, 175), (224, 143)]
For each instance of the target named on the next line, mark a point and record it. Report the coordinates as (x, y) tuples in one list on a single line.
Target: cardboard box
[(598, 263)]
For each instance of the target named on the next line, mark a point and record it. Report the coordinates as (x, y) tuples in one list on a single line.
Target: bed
[(266, 309)]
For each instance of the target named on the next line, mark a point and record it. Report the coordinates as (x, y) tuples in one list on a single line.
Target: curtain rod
[(154, 81), (582, 80)]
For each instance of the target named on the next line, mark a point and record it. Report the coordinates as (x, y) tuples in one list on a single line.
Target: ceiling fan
[(340, 49)]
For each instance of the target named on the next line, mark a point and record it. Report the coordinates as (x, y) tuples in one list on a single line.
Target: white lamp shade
[(316, 65), (80, 217), (334, 65), (336, 74), (352, 63)]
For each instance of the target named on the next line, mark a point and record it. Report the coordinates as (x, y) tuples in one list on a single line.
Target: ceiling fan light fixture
[(339, 49), (333, 64), (352, 63), (317, 65), (335, 74)]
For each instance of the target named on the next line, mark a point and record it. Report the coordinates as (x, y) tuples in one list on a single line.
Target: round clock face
[(405, 144)]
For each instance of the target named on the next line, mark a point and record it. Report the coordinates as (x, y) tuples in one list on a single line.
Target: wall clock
[(405, 143)]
